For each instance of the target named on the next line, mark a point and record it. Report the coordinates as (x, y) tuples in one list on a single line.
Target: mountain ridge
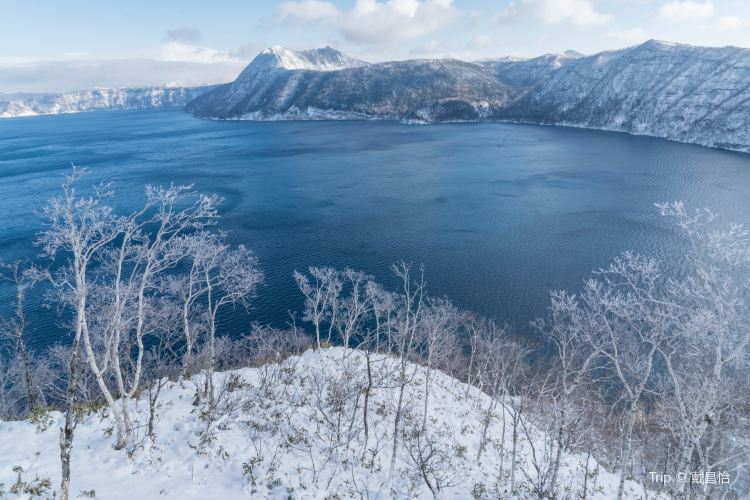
[(685, 93), (673, 91), (322, 59), (19, 105)]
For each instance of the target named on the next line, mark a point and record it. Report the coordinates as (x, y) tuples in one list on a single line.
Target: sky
[(57, 46)]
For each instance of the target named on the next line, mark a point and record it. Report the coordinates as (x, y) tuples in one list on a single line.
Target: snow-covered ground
[(289, 430)]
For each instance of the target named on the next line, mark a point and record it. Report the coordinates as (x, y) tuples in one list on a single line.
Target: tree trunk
[(188, 338), (513, 456), (586, 475), (558, 453), (625, 455), (397, 422), (368, 388), (120, 427), (426, 398), (485, 427), (66, 433), (30, 396)]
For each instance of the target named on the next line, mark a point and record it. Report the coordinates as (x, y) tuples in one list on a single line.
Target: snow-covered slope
[(691, 94), (525, 73), (680, 92), (325, 59), (276, 86), (90, 100), (285, 433)]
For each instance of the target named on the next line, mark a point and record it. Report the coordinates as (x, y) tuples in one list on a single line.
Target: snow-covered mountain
[(325, 59), (690, 94), (680, 92), (291, 430), (525, 73), (277, 85), (98, 99)]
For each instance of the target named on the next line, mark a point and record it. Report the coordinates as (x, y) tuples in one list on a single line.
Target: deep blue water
[(499, 214)]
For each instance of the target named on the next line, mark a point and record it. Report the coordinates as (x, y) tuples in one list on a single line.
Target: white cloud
[(550, 12), (477, 47), (630, 36), (181, 52), (479, 42), (308, 10), (375, 22), (171, 63), (729, 23), (678, 11), (69, 75)]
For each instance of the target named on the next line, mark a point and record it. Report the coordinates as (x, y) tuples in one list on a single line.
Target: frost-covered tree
[(404, 339), (126, 283), (22, 277), (78, 226), (321, 290), (623, 320), (438, 325), (352, 310), (229, 276), (709, 348)]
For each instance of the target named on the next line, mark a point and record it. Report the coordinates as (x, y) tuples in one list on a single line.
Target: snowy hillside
[(525, 73), (325, 59), (691, 94), (99, 99), (291, 430), (424, 90)]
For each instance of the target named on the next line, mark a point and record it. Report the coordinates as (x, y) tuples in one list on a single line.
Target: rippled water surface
[(499, 214)]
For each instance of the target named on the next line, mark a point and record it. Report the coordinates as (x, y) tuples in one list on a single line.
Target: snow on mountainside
[(285, 435), (691, 94), (325, 59), (99, 99), (525, 73), (420, 90)]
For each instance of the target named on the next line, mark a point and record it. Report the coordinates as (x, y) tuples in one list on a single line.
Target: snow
[(325, 59), (697, 95), (101, 99), (266, 445)]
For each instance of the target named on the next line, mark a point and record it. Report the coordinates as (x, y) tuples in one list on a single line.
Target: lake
[(499, 214)]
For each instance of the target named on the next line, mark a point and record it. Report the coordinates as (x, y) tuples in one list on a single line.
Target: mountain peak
[(660, 44), (572, 54), (322, 59)]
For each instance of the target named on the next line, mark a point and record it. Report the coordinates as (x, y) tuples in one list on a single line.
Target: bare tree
[(189, 287), (349, 313), (624, 319), (321, 297), (23, 279), (230, 277), (711, 339), (79, 226), (437, 329), (431, 457), (572, 369), (384, 306), (404, 339), (149, 244), (498, 363)]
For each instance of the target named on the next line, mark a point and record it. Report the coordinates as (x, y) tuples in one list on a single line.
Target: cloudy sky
[(52, 45)]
